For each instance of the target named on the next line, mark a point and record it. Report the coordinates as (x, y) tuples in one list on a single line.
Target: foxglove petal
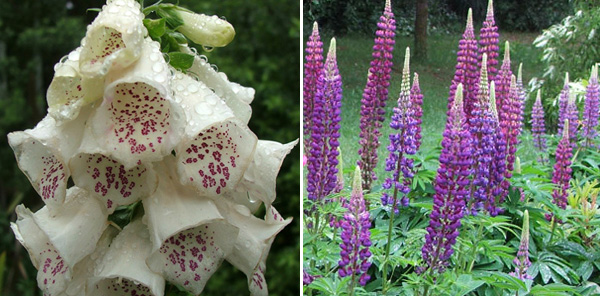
[(138, 120), (114, 38), (69, 90), (215, 160), (57, 241), (189, 237), (123, 270), (260, 178), (114, 185)]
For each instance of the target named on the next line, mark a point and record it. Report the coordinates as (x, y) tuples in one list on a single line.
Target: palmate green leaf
[(556, 289), (465, 284), (501, 280)]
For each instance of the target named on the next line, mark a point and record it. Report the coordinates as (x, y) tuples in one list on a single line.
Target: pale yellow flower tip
[(206, 30)]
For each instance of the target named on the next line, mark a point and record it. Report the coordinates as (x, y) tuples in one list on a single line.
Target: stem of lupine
[(389, 240)]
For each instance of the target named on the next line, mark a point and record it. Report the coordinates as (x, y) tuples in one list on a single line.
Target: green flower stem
[(475, 247)]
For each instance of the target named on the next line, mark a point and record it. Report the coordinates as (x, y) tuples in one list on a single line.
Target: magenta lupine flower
[(591, 109), (416, 101), (488, 42), (498, 184), (515, 121), (322, 161), (538, 125), (307, 278), (451, 190), (562, 169), (563, 101), (375, 95), (522, 262), (572, 114), (356, 237), (403, 142), (503, 95), (312, 70), (520, 103), (467, 69)]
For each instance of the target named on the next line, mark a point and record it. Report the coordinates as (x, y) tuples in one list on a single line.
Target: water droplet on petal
[(203, 109), (192, 88), (157, 67), (155, 56), (179, 88), (74, 56), (207, 48)]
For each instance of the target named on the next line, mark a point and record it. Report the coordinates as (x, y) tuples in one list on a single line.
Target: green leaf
[(180, 61), (156, 28), (465, 284), (170, 14)]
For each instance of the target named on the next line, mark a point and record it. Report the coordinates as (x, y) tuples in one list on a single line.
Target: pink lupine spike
[(215, 160), (114, 39), (138, 120), (563, 102), (122, 269), (488, 42), (592, 109), (312, 70), (109, 179), (503, 88)]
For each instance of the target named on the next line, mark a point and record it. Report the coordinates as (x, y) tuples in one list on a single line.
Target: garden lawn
[(435, 76)]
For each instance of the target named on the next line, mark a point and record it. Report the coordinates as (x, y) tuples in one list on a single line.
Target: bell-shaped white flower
[(114, 39), (43, 153), (253, 241), (237, 97), (69, 90), (206, 30), (57, 241), (122, 270), (189, 237), (138, 120), (215, 160), (260, 178), (111, 182)]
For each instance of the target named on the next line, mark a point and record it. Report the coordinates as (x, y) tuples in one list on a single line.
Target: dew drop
[(160, 78), (214, 67), (64, 59), (194, 50), (74, 56), (192, 88), (113, 9), (203, 109), (155, 56), (157, 67), (207, 48), (179, 88)]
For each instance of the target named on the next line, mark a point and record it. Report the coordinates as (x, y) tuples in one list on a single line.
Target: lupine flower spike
[(538, 125), (356, 237), (503, 88), (562, 169), (402, 143), (498, 186), (488, 42), (312, 70), (522, 262), (375, 95), (467, 70), (416, 101), (451, 185), (572, 114), (521, 98), (592, 109), (322, 162), (563, 102)]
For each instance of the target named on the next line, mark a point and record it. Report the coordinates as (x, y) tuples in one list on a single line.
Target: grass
[(435, 75)]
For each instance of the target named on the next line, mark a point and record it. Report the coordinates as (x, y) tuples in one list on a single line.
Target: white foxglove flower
[(138, 120), (69, 91), (122, 270), (189, 236), (43, 152), (206, 30), (114, 39), (57, 241)]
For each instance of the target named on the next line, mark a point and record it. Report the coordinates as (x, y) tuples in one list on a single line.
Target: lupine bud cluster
[(572, 115), (356, 237), (488, 42), (128, 129), (562, 169), (312, 70), (538, 125), (592, 108), (563, 102), (451, 190), (403, 142), (522, 262), (467, 69), (375, 95), (416, 100), (326, 117)]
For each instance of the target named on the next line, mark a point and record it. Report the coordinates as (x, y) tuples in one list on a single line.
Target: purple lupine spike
[(467, 70), (498, 184), (322, 161), (503, 88), (511, 126), (572, 114), (416, 100), (520, 103), (563, 102), (356, 237), (312, 70), (488, 41), (375, 95), (522, 262), (403, 142), (591, 109), (538, 125), (562, 169), (450, 190), (482, 129)]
